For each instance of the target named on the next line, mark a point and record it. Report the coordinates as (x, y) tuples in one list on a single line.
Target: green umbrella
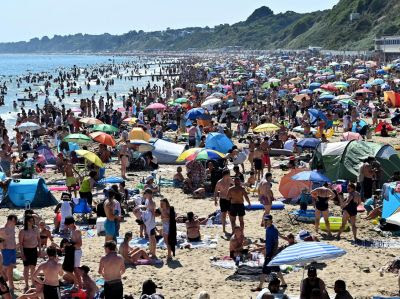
[(77, 138), (181, 100), (348, 102), (105, 128)]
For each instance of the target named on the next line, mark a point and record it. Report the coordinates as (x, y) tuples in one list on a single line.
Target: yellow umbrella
[(266, 128), (91, 157), (130, 120), (138, 133), (187, 153)]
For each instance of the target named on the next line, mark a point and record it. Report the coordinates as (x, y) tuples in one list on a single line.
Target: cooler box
[(100, 224)]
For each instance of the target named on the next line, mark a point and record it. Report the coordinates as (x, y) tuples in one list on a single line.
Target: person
[(110, 208), (149, 220), (45, 234), (271, 249), (65, 208), (192, 228), (168, 226), (340, 290), (149, 287), (70, 179), (29, 242), (9, 252), (4, 289), (203, 295), (265, 194), (76, 241), (123, 157), (88, 283), (258, 162), (273, 290), (5, 159), (51, 270), (151, 185), (131, 255), (236, 195), (112, 267), (266, 149), (236, 244), (178, 178), (221, 191), (237, 173), (251, 180), (321, 197), (349, 209), (311, 283), (366, 178), (87, 186)]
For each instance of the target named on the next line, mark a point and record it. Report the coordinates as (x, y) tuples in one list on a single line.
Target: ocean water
[(13, 66)]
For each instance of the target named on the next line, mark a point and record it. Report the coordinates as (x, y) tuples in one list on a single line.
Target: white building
[(388, 44)]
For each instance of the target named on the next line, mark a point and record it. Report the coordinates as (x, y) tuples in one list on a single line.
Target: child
[(88, 283), (251, 181), (178, 178), (238, 173)]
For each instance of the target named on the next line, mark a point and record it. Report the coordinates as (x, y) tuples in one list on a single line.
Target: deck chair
[(82, 208)]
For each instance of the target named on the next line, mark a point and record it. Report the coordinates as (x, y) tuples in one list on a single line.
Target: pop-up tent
[(391, 200), (342, 160), (22, 192), (166, 152), (218, 142), (48, 155)]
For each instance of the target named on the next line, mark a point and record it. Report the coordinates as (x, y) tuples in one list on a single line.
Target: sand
[(191, 270)]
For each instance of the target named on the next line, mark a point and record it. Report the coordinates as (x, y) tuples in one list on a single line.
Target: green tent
[(342, 160)]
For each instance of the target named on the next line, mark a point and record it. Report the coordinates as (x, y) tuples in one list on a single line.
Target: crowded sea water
[(203, 175)]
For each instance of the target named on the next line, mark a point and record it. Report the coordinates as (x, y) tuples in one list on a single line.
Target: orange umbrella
[(290, 188), (103, 138)]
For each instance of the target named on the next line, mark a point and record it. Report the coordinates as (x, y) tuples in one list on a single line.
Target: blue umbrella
[(306, 252), (381, 72), (378, 81), (306, 91), (366, 85), (308, 143), (326, 97), (313, 176), (315, 115), (194, 113), (314, 85)]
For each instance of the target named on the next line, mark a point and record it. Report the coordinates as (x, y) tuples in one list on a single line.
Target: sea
[(13, 66)]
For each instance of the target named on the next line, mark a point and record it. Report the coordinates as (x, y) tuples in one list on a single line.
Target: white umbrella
[(28, 126), (210, 102), (142, 146)]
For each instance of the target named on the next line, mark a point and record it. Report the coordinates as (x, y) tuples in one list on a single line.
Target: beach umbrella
[(130, 120), (179, 89), (366, 85), (352, 80), (326, 96), (306, 252), (342, 97), (378, 81), (266, 85), (306, 91), (142, 146), (313, 176), (290, 188), (274, 80), (194, 113), (329, 87), (156, 106), (77, 138), (181, 100), (91, 157), (295, 80), (202, 86), (300, 97), (380, 72), (308, 143), (266, 128), (227, 87), (211, 102), (217, 95), (363, 90), (103, 138), (200, 154), (90, 121), (138, 133), (105, 128), (28, 126), (348, 102)]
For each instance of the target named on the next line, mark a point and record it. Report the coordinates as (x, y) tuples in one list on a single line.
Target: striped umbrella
[(306, 252)]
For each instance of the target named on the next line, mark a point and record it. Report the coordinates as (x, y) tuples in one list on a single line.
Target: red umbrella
[(156, 106), (363, 90), (328, 87)]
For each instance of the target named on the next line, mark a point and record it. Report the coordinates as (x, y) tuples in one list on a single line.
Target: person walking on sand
[(321, 197), (221, 191), (76, 240), (9, 250), (123, 156), (349, 208), (111, 268), (236, 195), (265, 193), (111, 211)]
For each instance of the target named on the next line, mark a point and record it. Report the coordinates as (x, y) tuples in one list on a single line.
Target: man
[(111, 268), (236, 194), (265, 194), (321, 197), (266, 148), (349, 207), (312, 283), (76, 239), (51, 270), (271, 249), (9, 250), (236, 244), (5, 159), (112, 216), (221, 191), (87, 186), (70, 179), (4, 290), (340, 290), (366, 178), (272, 290)]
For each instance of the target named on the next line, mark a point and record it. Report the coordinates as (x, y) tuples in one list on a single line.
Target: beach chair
[(82, 208)]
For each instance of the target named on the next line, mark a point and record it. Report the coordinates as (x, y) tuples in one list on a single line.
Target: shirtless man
[(265, 194), (111, 268), (258, 162), (9, 249), (236, 194), (265, 148), (221, 190), (4, 290), (70, 179), (52, 270), (236, 244), (111, 214), (366, 178), (29, 243), (321, 197), (76, 239)]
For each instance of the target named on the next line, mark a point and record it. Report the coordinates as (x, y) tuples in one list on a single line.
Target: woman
[(192, 228), (168, 226), (45, 234), (321, 197), (349, 207), (29, 242), (123, 156), (131, 255)]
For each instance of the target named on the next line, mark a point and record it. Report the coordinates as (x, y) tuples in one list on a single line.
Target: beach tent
[(392, 98), (342, 160), (28, 191), (166, 152), (391, 200), (48, 155), (218, 142)]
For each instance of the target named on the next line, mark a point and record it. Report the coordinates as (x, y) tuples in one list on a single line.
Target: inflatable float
[(276, 205), (335, 224)]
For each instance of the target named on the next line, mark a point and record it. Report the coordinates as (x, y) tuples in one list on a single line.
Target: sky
[(25, 19)]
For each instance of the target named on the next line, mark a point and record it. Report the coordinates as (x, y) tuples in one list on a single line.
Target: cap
[(267, 217), (304, 234)]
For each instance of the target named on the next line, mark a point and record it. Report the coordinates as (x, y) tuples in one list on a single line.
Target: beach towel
[(379, 243)]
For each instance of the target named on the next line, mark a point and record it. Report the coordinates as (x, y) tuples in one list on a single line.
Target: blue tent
[(308, 143), (357, 127), (219, 142), (28, 191), (391, 201)]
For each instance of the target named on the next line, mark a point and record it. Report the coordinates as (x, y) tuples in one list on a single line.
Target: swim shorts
[(31, 256), (9, 257), (113, 289), (70, 181), (224, 205), (237, 210), (51, 292), (77, 258), (109, 227)]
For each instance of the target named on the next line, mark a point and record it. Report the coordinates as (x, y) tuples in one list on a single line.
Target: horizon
[(58, 20)]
